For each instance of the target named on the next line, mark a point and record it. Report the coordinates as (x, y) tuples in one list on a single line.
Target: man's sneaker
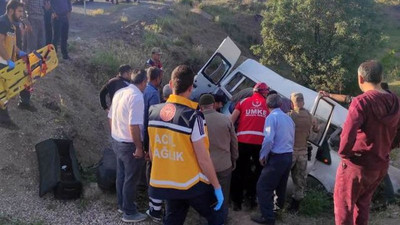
[(156, 217), (134, 218)]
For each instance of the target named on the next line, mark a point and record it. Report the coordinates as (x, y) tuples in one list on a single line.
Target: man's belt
[(274, 154)]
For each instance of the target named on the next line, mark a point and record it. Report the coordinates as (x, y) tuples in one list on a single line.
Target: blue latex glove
[(10, 64), (21, 54), (220, 198)]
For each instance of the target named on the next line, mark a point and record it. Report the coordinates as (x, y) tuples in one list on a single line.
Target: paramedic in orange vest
[(8, 47), (250, 113), (182, 171)]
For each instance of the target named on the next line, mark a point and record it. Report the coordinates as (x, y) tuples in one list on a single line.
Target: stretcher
[(27, 70)]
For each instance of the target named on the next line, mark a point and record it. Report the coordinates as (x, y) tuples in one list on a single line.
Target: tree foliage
[(323, 41)]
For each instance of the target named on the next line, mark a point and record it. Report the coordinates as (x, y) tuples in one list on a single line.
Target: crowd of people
[(198, 157), (26, 26)]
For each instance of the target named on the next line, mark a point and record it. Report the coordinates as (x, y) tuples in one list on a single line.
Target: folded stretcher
[(27, 70)]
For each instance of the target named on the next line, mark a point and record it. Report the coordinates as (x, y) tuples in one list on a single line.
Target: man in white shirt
[(126, 121)]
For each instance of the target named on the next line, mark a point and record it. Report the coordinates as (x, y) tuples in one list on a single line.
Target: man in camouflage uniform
[(304, 122)]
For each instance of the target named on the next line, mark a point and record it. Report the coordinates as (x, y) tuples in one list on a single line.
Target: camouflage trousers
[(299, 175)]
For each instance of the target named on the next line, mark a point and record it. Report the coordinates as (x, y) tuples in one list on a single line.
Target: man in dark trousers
[(366, 139), (8, 47), (276, 158), (113, 85), (34, 38), (182, 172), (61, 14), (47, 22), (223, 145), (250, 114), (126, 121), (151, 97)]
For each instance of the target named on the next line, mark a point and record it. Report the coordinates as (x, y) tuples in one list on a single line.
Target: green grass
[(106, 60), (315, 203), (89, 174)]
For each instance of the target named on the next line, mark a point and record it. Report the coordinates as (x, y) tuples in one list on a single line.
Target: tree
[(323, 41)]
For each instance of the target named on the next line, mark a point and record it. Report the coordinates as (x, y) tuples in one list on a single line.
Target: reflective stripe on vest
[(250, 132), (174, 162), (253, 111)]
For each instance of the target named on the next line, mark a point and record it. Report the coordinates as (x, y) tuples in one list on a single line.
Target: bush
[(316, 202), (106, 61)]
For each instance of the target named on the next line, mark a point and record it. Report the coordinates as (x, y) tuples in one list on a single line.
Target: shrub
[(316, 202)]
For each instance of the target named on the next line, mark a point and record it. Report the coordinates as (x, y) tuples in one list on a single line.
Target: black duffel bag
[(58, 169), (107, 171)]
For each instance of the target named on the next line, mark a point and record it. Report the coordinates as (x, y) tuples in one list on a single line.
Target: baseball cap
[(261, 88), (156, 50), (206, 99), (297, 96)]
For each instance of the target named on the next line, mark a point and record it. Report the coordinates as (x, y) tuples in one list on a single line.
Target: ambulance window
[(216, 68), (322, 114), (238, 83)]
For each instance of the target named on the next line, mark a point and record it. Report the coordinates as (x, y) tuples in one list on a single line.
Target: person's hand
[(233, 165), (10, 64), (262, 161), (147, 156), (323, 93), (220, 198), (21, 54), (28, 27), (54, 16), (138, 153)]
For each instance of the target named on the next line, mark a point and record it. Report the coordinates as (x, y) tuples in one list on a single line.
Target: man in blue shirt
[(276, 158), (151, 97)]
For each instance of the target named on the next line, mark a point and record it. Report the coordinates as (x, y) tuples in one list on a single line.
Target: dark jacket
[(110, 88)]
